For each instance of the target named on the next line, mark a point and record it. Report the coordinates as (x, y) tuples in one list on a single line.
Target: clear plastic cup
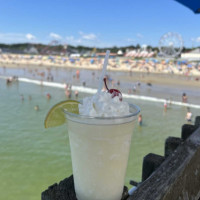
[(100, 150)]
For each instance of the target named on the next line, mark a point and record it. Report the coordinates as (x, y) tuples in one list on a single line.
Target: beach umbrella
[(155, 61), (184, 62), (194, 5)]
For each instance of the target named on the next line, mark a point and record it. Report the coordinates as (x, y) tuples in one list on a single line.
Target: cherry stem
[(105, 83)]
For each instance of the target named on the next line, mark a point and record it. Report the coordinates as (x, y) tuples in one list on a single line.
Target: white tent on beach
[(131, 53)]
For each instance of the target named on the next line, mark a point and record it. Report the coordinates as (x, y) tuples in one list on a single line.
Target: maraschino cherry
[(113, 92)]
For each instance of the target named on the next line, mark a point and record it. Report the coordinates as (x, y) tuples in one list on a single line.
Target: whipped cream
[(103, 105)]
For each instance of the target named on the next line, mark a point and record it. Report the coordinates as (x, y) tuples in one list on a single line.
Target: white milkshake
[(100, 138)]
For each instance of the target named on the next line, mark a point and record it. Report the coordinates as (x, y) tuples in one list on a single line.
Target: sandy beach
[(130, 79), (127, 64), (147, 71)]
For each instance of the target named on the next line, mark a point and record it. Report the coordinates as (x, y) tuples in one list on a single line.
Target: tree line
[(19, 47)]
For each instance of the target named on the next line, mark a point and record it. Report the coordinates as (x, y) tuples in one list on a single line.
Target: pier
[(172, 176)]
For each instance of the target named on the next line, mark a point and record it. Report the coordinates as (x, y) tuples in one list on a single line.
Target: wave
[(93, 91)]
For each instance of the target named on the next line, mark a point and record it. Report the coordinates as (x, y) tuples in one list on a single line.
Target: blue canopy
[(194, 5)]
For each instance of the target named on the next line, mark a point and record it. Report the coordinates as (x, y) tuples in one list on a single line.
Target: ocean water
[(33, 158)]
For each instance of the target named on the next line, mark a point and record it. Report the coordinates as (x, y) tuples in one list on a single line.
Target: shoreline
[(93, 91), (163, 85), (164, 79), (160, 78)]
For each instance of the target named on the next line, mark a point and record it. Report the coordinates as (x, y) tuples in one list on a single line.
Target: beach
[(53, 55), (127, 64), (162, 79)]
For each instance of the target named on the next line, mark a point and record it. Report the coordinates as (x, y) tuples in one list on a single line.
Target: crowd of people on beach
[(149, 65)]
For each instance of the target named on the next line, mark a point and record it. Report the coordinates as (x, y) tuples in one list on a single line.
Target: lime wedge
[(56, 116)]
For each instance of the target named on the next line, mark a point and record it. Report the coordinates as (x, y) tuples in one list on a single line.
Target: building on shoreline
[(192, 55)]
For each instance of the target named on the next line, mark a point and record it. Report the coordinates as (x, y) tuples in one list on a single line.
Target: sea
[(32, 158)]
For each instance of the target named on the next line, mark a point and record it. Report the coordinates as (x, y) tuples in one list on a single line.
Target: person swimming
[(188, 116), (48, 96), (77, 74), (22, 97), (36, 108), (76, 94), (165, 105), (140, 120), (9, 80), (184, 98), (68, 93)]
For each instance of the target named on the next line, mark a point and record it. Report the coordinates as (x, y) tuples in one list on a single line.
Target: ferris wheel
[(171, 44), (53, 46)]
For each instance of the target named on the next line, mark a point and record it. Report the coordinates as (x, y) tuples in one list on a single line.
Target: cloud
[(73, 41), (198, 39), (70, 38), (90, 36), (129, 40), (13, 38), (83, 39), (55, 36), (139, 35), (30, 36)]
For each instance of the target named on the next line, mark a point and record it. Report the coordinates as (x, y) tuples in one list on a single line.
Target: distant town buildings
[(86, 52), (31, 50)]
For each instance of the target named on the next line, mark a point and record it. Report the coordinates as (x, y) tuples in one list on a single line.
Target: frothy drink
[(100, 138)]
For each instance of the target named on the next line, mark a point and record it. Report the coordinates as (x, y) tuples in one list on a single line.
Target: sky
[(97, 23)]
